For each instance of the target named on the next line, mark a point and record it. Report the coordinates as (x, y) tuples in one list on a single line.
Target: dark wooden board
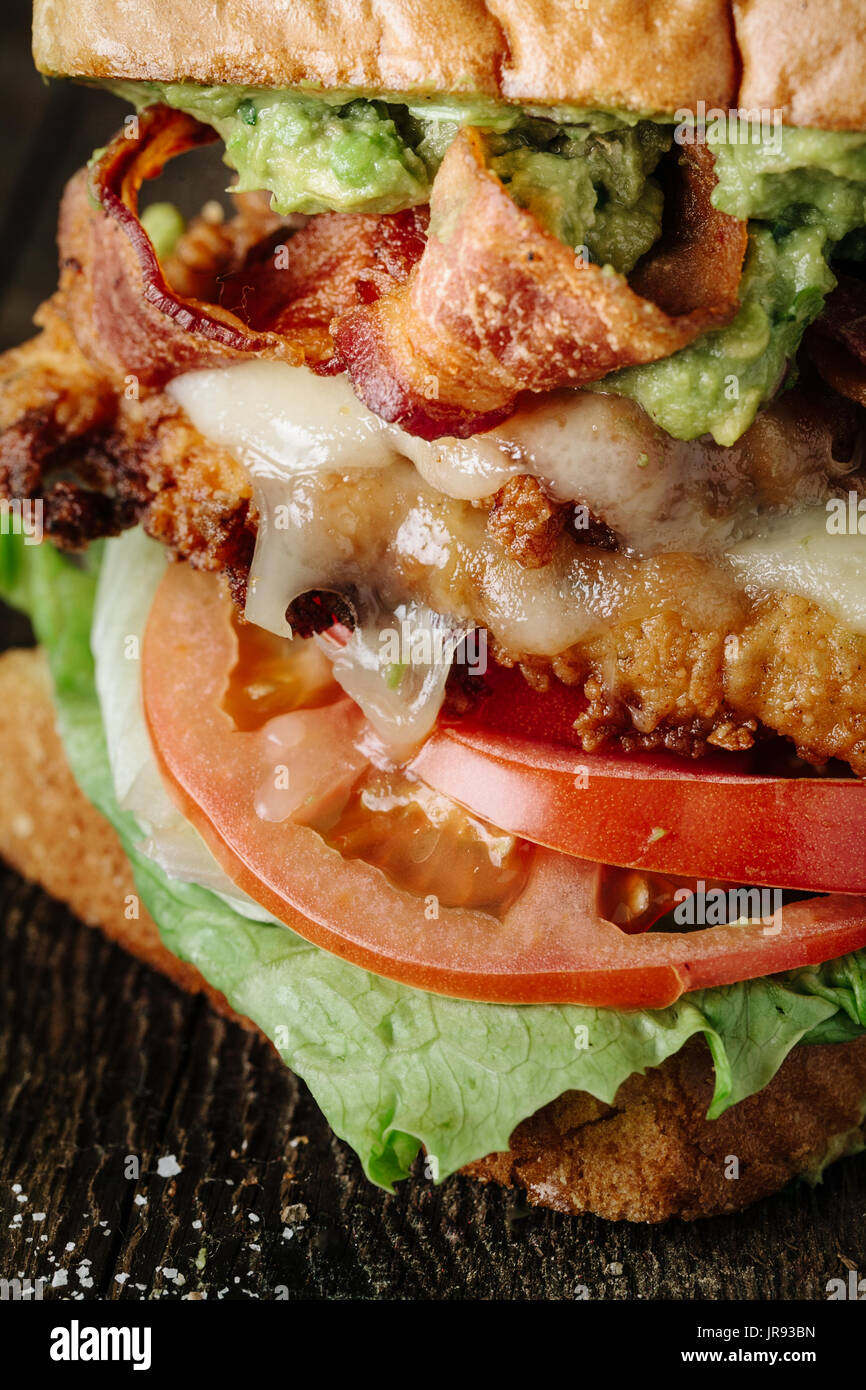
[(102, 1061)]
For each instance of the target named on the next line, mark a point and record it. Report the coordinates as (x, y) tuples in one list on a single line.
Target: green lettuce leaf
[(394, 1068)]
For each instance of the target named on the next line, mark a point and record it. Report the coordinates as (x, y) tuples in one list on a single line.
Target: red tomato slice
[(709, 818), (550, 946)]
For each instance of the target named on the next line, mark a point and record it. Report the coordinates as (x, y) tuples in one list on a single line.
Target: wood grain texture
[(101, 1060)]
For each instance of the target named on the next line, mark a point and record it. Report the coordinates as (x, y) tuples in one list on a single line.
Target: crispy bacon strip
[(112, 290), (295, 286), (696, 264), (837, 340), (439, 333), (129, 319), (497, 305)]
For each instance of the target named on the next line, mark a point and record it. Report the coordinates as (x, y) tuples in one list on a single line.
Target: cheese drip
[(348, 502)]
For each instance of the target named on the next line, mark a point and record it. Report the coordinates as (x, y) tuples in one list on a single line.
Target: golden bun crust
[(804, 59), (655, 55), (649, 1156), (646, 55), (807, 59), (390, 44)]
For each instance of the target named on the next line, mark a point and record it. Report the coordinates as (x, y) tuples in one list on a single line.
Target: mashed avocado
[(804, 197), (332, 151), (587, 175), (718, 383), (590, 188), (312, 156), (164, 225)]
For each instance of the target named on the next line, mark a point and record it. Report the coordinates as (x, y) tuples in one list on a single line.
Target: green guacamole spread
[(587, 180), (588, 177), (805, 201)]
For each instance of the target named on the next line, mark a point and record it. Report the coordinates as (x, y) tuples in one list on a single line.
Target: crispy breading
[(788, 666), (666, 679), (526, 521), (785, 665), (653, 1154), (799, 671), (49, 373), (135, 451)]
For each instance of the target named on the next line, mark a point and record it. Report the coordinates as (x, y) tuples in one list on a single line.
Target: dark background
[(101, 1059)]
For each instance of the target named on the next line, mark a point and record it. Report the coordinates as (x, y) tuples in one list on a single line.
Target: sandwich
[(446, 550)]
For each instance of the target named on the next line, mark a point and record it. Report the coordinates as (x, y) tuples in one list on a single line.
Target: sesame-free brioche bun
[(805, 58), (649, 1156)]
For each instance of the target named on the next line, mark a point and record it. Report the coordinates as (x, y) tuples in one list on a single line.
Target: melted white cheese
[(281, 420), (807, 555), (395, 666), (302, 437), (384, 535), (656, 493)]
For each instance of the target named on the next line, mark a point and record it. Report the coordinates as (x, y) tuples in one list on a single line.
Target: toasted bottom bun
[(649, 1156)]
